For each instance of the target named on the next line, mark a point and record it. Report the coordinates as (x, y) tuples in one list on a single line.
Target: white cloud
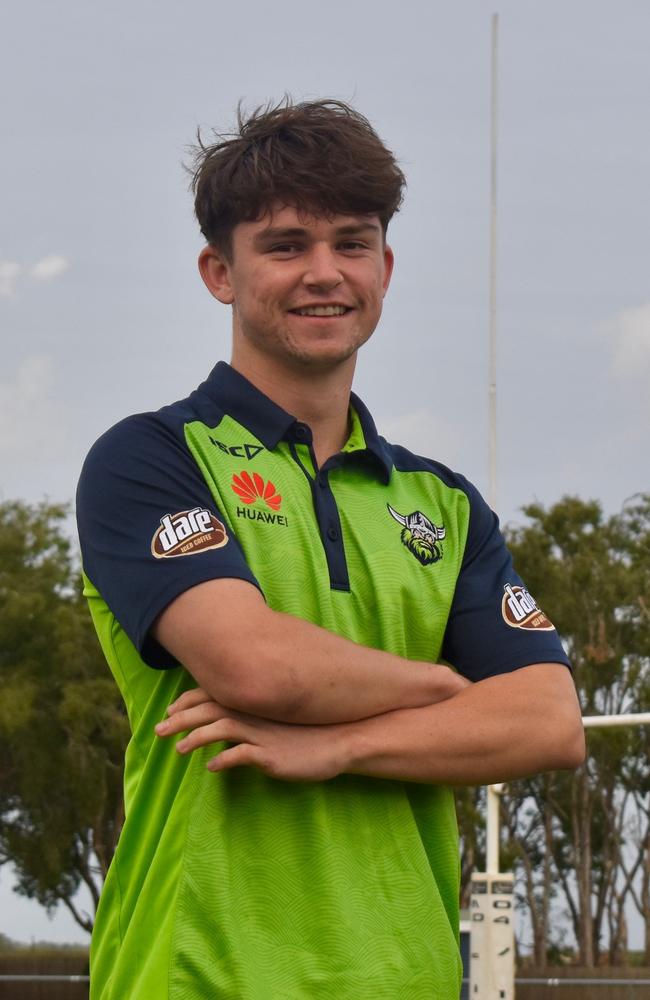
[(44, 269), (9, 273), (49, 267), (630, 331), (24, 404), (424, 433)]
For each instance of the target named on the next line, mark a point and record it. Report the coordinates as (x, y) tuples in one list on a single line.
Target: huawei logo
[(252, 488)]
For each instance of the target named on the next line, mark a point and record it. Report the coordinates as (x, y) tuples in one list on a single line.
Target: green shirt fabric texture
[(236, 885)]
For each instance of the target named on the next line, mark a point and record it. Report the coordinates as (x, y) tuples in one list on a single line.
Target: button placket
[(325, 508)]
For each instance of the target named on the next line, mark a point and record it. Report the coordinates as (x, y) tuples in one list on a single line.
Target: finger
[(224, 730), (188, 699), (244, 754), (190, 718)]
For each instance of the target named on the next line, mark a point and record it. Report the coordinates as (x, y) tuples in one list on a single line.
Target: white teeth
[(322, 311)]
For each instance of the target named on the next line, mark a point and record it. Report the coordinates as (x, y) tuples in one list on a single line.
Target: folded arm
[(272, 665), (501, 728)]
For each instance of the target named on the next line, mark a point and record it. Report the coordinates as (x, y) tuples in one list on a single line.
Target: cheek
[(254, 297), (375, 285), (264, 293), (377, 297)]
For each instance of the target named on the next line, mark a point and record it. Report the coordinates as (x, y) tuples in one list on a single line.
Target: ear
[(389, 262), (215, 271)]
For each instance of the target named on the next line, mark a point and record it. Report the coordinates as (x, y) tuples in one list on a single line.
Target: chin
[(324, 360), (332, 353)]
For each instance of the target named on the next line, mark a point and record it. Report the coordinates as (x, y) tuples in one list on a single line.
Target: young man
[(257, 557)]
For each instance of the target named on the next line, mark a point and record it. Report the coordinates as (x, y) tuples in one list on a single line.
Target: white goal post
[(492, 939)]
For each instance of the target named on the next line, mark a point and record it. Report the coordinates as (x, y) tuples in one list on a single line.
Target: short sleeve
[(149, 528), (495, 626)]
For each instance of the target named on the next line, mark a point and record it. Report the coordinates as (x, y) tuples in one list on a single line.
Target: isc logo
[(187, 532), (248, 451)]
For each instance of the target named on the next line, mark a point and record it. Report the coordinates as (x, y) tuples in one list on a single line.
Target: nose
[(322, 268)]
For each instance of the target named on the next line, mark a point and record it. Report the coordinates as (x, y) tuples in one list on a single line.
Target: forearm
[(283, 668), (321, 677), (484, 734)]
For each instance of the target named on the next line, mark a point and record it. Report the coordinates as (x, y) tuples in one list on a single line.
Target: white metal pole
[(492, 829), (492, 818), (638, 719), (492, 384)]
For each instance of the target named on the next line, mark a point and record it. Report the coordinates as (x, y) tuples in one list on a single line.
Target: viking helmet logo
[(420, 535)]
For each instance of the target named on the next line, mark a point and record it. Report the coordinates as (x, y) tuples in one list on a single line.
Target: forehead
[(285, 219)]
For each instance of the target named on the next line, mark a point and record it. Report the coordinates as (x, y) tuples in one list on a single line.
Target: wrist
[(353, 745), (365, 743)]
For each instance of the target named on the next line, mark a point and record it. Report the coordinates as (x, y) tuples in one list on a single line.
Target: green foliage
[(592, 578), (41, 949), (62, 726)]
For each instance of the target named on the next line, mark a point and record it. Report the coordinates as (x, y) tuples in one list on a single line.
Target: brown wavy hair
[(319, 157)]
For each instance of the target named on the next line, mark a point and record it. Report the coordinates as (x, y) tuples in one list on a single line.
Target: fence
[(573, 983), (25, 976), (538, 984)]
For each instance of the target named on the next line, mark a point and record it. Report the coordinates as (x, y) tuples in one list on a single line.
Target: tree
[(62, 726), (470, 815), (573, 833)]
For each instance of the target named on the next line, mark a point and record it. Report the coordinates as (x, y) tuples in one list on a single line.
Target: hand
[(278, 749)]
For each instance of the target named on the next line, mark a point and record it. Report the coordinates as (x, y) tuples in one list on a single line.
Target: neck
[(319, 399)]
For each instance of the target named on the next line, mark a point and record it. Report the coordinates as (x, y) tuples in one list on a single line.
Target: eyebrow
[(297, 232)]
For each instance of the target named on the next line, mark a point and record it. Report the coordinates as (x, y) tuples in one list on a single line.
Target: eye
[(284, 248), (353, 245)]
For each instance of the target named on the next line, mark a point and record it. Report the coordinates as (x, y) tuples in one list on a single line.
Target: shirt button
[(332, 533), (301, 431)]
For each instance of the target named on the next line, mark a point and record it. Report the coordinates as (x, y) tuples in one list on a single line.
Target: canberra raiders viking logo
[(420, 536)]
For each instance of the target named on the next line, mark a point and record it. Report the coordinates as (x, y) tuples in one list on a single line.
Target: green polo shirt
[(236, 885)]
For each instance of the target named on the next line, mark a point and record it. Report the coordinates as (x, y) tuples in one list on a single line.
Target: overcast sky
[(102, 310)]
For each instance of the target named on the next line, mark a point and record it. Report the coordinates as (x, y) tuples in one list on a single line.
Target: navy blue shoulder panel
[(148, 524), (406, 461), (494, 625)]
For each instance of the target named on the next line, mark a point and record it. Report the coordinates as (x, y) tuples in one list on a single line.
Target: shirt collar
[(376, 446), (271, 424)]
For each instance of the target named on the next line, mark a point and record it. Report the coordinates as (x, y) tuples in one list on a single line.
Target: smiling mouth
[(321, 311)]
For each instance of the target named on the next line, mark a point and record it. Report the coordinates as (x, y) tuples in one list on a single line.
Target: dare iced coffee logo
[(520, 610), (187, 532)]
